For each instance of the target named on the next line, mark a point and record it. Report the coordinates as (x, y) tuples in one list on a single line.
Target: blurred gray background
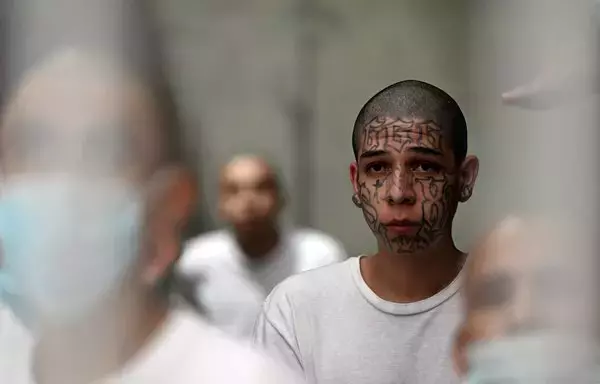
[(287, 77)]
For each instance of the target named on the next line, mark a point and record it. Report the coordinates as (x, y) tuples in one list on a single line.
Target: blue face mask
[(536, 358), (66, 245)]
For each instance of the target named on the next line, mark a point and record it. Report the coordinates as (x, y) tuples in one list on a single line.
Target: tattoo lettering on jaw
[(437, 195), (432, 191)]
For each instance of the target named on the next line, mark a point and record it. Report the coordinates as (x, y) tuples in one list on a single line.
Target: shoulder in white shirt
[(184, 351), (217, 249), (231, 288)]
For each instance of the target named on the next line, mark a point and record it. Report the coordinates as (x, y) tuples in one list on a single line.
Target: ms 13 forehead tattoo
[(432, 184)]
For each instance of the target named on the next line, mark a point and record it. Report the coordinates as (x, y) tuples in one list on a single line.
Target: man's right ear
[(355, 187)]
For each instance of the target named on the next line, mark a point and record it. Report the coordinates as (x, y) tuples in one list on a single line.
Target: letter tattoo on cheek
[(420, 192)]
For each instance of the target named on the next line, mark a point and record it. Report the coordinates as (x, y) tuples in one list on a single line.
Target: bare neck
[(406, 278), (259, 242), (99, 346)]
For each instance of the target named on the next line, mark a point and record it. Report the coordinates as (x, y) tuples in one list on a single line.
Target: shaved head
[(249, 192), (247, 167), (415, 100), (410, 143), (81, 97)]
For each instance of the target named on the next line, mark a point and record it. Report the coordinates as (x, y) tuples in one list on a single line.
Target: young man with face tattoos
[(388, 317)]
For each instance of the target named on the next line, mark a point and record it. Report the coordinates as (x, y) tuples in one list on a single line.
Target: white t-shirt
[(16, 346), (231, 289), (329, 326), (184, 351)]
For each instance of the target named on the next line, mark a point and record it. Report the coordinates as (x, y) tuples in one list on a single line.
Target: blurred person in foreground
[(388, 317), (93, 200), (561, 82), (236, 268), (555, 86), (516, 324)]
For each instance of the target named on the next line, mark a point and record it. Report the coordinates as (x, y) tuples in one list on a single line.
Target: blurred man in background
[(388, 317), (94, 198), (236, 268)]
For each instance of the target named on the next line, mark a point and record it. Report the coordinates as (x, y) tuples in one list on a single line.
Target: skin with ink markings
[(411, 170), (406, 175)]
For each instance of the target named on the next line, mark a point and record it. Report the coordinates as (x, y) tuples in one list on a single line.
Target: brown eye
[(376, 168), (427, 167)]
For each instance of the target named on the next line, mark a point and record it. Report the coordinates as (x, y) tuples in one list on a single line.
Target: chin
[(408, 246), (250, 226), (244, 227)]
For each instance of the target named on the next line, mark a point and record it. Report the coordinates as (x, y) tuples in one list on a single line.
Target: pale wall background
[(233, 65)]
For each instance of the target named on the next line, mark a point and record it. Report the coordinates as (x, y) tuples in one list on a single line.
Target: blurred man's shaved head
[(506, 275), (497, 249), (250, 192), (248, 167), (415, 99), (493, 268), (83, 97)]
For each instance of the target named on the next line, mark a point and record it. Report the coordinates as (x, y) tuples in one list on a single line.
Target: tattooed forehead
[(396, 133)]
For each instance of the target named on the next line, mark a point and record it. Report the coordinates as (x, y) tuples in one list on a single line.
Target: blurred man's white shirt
[(231, 289), (16, 345), (185, 350)]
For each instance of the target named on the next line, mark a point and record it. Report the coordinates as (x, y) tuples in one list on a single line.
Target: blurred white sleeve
[(274, 332), (279, 375), (335, 255), (338, 254), (322, 250)]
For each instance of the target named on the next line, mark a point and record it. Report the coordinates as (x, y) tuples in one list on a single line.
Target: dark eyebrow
[(372, 153), (426, 151)]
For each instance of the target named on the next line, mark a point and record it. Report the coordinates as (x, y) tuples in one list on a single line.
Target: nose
[(247, 205), (401, 188)]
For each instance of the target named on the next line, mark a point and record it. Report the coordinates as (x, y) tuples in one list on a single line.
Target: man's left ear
[(467, 177), (170, 206)]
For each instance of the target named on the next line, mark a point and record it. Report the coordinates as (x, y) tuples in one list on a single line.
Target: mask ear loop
[(149, 201), (15, 304), (3, 181), (156, 192), (2, 194)]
